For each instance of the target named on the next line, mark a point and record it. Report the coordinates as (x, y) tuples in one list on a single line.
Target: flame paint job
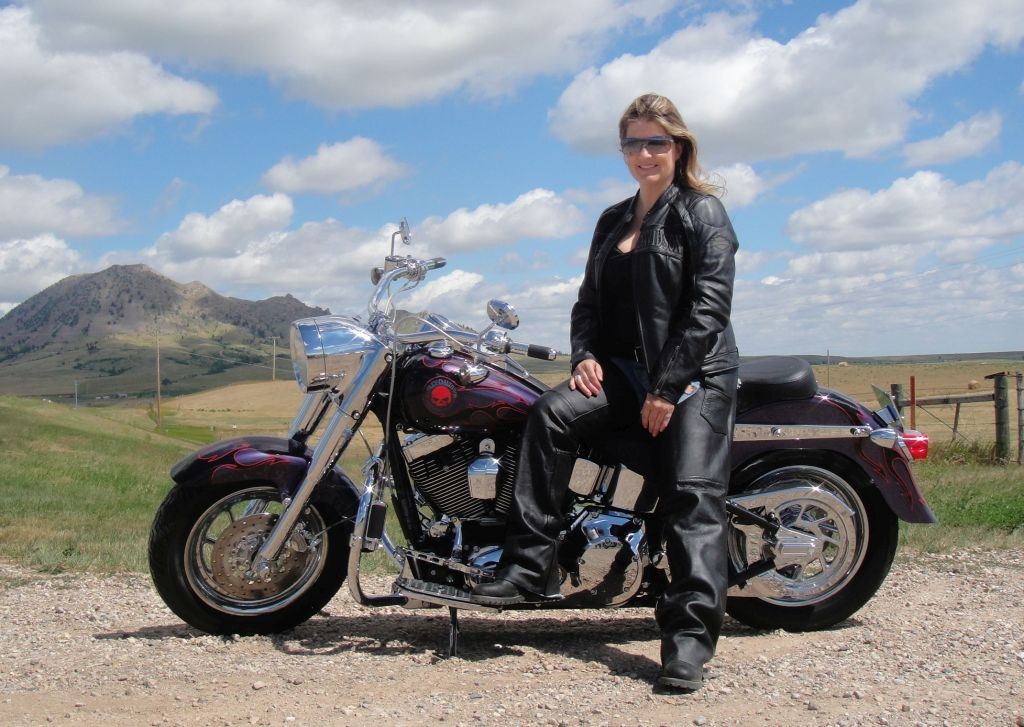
[(246, 458), (434, 400)]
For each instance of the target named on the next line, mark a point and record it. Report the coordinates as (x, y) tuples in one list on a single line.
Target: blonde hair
[(660, 110)]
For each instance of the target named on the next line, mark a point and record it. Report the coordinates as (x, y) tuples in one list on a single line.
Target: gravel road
[(941, 644)]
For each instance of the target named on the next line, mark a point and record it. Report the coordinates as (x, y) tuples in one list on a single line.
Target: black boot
[(681, 676), (497, 593)]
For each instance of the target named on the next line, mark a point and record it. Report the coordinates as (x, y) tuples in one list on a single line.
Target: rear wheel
[(855, 535), (202, 543)]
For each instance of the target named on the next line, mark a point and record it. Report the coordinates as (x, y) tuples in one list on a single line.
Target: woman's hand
[(587, 377), (657, 413)]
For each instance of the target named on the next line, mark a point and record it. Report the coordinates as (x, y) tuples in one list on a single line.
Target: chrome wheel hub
[(223, 544), (819, 546), (233, 553)]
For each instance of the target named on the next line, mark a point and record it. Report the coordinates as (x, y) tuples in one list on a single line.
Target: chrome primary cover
[(609, 571)]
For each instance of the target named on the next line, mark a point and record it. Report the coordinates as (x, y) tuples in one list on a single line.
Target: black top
[(618, 308)]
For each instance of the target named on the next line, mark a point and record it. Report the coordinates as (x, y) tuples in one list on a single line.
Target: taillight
[(917, 443)]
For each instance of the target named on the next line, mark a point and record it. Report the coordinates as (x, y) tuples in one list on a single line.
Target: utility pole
[(273, 360), (159, 417)]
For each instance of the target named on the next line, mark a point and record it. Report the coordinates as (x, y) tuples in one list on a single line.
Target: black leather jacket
[(683, 273)]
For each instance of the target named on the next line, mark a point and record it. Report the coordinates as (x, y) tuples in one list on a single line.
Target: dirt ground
[(941, 644)]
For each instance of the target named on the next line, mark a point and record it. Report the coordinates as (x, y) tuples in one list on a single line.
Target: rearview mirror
[(502, 314)]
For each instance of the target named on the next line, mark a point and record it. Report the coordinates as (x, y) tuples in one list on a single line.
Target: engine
[(465, 477), (603, 555)]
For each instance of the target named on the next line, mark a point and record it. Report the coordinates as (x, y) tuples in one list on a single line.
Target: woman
[(650, 336)]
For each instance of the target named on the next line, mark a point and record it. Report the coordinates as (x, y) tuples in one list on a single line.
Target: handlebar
[(414, 270), (533, 351)]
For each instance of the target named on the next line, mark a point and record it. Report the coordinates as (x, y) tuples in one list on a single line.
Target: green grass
[(977, 502), (80, 488), (79, 491)]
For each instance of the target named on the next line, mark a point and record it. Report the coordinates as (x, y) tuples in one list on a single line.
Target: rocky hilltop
[(106, 324)]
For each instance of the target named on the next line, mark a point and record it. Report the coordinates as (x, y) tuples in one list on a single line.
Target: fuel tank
[(440, 395)]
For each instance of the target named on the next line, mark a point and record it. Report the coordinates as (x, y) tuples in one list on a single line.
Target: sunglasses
[(654, 144)]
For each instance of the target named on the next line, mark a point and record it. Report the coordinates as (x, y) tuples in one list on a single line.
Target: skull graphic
[(441, 396)]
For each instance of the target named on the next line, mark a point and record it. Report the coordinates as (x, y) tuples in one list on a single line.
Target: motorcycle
[(260, 532)]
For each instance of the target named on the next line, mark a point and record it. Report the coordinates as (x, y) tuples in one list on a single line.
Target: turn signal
[(917, 443)]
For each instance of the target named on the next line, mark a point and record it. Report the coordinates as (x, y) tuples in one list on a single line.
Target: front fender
[(280, 461)]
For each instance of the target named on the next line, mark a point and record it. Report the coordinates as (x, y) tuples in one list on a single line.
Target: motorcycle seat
[(774, 378)]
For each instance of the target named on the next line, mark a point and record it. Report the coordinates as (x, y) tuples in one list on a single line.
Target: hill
[(102, 329)]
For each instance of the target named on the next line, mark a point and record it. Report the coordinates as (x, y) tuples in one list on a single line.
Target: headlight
[(327, 349)]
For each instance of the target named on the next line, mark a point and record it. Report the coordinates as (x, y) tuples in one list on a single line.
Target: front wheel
[(202, 543), (856, 535)]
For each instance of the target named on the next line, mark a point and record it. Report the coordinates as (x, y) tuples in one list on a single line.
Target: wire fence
[(994, 415)]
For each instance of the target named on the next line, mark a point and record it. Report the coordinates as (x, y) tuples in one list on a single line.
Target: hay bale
[(973, 384), (843, 364)]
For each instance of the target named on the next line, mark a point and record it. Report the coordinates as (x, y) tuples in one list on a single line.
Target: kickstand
[(453, 633)]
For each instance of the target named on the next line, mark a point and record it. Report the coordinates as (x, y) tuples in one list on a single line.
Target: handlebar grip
[(435, 263), (542, 352)]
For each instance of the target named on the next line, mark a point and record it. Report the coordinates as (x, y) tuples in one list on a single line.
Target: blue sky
[(872, 152)]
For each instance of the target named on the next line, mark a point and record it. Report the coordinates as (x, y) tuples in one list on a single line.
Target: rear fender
[(280, 461), (862, 460), (858, 461)]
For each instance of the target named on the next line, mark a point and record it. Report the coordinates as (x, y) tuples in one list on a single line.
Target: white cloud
[(608, 192), (340, 167), (859, 303), (56, 96), (447, 290), (748, 261), (537, 214), (230, 230), (358, 55), (544, 307), (742, 185), (246, 249), (31, 264), (849, 264), (963, 249), (30, 204), (965, 139), (845, 84), (917, 209)]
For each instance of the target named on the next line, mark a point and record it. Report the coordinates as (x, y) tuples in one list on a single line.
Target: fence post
[(956, 421), (1002, 402), (913, 403), (897, 394), (1020, 418)]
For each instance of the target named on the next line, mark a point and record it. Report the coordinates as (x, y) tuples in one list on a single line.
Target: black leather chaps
[(693, 476)]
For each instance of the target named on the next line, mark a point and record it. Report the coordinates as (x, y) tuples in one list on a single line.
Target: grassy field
[(80, 487), (79, 490)]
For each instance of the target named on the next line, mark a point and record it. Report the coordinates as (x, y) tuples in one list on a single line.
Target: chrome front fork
[(368, 534), (352, 407)]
